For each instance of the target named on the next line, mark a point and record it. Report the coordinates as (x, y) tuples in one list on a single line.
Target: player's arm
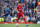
[(16, 8)]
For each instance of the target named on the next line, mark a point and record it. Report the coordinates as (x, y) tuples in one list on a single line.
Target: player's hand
[(18, 11)]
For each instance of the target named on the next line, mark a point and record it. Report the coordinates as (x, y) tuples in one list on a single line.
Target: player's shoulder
[(17, 5), (22, 5)]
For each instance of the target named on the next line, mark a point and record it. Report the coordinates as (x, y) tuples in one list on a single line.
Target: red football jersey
[(19, 8)]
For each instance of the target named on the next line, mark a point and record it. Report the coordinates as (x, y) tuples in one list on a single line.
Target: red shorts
[(20, 14)]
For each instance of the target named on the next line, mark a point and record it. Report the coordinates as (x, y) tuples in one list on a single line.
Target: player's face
[(19, 3)]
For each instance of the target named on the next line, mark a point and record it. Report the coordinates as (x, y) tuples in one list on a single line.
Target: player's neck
[(19, 5)]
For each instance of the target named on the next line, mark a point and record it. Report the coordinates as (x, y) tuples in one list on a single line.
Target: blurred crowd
[(31, 9)]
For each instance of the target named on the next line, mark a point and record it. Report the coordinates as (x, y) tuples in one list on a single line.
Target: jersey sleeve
[(17, 7), (22, 5)]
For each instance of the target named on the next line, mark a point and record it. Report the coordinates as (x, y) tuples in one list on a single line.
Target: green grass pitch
[(20, 25)]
